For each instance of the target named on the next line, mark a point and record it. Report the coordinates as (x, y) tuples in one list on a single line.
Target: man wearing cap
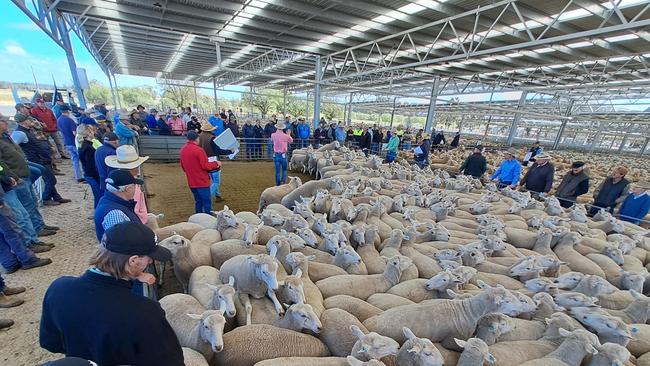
[(574, 183), (107, 149), (143, 113), (97, 317), (269, 130), (176, 124), (392, 146), (509, 171), (475, 164), (42, 113), (539, 178), (281, 141), (195, 164), (611, 192), (68, 129), (117, 204), (124, 130), (127, 158), (637, 204)]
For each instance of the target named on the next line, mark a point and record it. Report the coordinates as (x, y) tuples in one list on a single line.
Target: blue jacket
[(633, 210), (248, 131), (151, 122), (340, 134), (126, 135), (67, 126), (128, 329), (509, 171), (303, 130), (102, 169), (108, 203), (218, 123), (269, 129)]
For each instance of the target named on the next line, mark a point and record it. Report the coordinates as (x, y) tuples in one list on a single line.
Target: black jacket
[(455, 141), (87, 159), (98, 318), (366, 140), (37, 151), (439, 138), (539, 178), (475, 165)]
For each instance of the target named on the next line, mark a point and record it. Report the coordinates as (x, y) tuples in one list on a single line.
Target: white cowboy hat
[(125, 158)]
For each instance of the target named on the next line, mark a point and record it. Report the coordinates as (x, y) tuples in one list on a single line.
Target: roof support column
[(214, 90), (318, 78), (431, 113), (644, 148), (284, 102), (349, 119), (65, 39), (392, 112), (110, 82), (117, 91), (515, 121), (596, 139), (307, 108), (556, 143), (196, 97)]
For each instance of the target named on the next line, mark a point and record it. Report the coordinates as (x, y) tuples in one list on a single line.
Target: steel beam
[(113, 92), (318, 76), (556, 143), (214, 90), (516, 119), (392, 111), (431, 112)]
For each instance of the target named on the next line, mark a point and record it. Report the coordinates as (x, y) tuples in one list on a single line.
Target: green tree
[(295, 107), (263, 104), (97, 93), (331, 111), (177, 96), (132, 96)]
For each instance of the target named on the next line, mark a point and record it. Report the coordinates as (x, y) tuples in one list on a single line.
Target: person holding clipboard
[(422, 151), (534, 151)]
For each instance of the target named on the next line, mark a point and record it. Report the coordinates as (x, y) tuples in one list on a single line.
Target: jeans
[(74, 155), (406, 146), (22, 217), (249, 147), (280, 161), (34, 172), (49, 180), (94, 186), (202, 200), (13, 252), (390, 156), (27, 198), (269, 149), (215, 190), (422, 163), (502, 185), (58, 143)]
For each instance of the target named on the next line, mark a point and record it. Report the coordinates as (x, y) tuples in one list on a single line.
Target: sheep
[(418, 351), (336, 334), (475, 352), (254, 276), (491, 327), (569, 280), (447, 318), (571, 352), (357, 307), (226, 249), (372, 346), (275, 194), (186, 256), (310, 188), (574, 299), (194, 326), (242, 345), (608, 328), (184, 229), (206, 220), (576, 261), (348, 259), (206, 287), (637, 312), (370, 256), (274, 217), (640, 342), (387, 301), (193, 358), (299, 264), (207, 237), (610, 354), (318, 361), (363, 287)]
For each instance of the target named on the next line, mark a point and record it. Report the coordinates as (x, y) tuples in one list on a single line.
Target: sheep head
[(475, 349), (442, 281), (266, 268), (175, 244), (294, 288), (604, 324), (419, 351), (250, 233), (224, 297), (541, 284), (611, 354), (569, 280), (272, 218), (584, 338), (446, 254), (372, 345), (633, 281), (211, 326), (304, 317), (346, 256), (308, 236), (574, 299)]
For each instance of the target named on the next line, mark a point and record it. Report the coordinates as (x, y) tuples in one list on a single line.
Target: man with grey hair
[(117, 205)]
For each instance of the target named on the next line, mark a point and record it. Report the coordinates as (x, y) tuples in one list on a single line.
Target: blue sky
[(25, 47)]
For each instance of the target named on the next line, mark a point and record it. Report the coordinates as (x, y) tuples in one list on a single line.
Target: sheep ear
[(451, 293), (635, 294), (286, 306), (298, 273), (225, 208), (563, 332), (408, 333), (273, 251), (311, 257), (461, 343), (259, 226), (231, 281), (195, 316), (212, 287), (356, 331), (490, 358)]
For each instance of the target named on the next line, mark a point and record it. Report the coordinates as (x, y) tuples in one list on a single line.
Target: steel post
[(349, 110), (110, 82), (432, 105), (196, 97), (556, 143), (516, 119), (318, 78), (392, 112), (284, 101), (214, 90), (117, 91)]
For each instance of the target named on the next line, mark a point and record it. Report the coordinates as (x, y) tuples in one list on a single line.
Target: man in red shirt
[(42, 113), (196, 166)]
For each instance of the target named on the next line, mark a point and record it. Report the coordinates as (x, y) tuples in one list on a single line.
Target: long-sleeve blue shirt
[(634, 208), (509, 171), (218, 123), (303, 131)]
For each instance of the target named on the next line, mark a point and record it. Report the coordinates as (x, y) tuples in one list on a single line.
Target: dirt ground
[(242, 184)]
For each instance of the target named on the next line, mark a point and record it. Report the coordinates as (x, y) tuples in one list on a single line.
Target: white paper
[(418, 150), (212, 159), (528, 156)]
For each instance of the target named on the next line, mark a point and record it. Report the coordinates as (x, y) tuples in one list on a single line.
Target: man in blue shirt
[(509, 171), (107, 149), (217, 122), (68, 128), (152, 122), (302, 133), (636, 204)]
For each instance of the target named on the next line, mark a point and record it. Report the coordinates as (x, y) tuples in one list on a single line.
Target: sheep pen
[(423, 267)]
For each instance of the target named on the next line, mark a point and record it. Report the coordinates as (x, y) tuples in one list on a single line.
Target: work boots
[(6, 323), (8, 302)]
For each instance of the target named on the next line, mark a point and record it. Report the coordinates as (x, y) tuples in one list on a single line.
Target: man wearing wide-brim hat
[(574, 183), (206, 142), (509, 171), (124, 130), (281, 141), (539, 178), (636, 204), (127, 158)]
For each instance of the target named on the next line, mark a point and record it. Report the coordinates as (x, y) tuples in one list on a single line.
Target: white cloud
[(14, 48), (24, 26)]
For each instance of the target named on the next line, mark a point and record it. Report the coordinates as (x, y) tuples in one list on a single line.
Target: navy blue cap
[(122, 177), (134, 238), (64, 108)]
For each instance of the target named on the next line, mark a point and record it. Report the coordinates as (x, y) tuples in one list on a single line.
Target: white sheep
[(372, 346), (206, 287), (184, 229), (475, 352), (186, 256), (275, 194)]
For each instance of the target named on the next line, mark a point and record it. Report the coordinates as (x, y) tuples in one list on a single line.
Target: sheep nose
[(219, 348), (318, 329), (231, 314)]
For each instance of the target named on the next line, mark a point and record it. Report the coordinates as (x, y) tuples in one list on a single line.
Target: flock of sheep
[(377, 264)]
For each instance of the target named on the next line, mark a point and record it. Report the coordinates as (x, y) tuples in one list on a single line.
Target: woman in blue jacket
[(509, 171)]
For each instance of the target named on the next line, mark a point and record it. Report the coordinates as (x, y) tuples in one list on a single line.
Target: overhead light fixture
[(411, 8), (623, 37), (579, 44)]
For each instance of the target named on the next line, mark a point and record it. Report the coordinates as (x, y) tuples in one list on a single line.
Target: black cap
[(134, 238), (20, 105), (577, 164), (139, 106), (70, 361), (121, 177), (192, 135), (64, 108), (110, 136)]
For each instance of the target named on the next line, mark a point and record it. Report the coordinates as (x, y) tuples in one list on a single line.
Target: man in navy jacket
[(98, 318)]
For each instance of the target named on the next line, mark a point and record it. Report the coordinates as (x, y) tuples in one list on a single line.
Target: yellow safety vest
[(357, 132), (399, 133)]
